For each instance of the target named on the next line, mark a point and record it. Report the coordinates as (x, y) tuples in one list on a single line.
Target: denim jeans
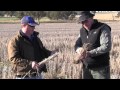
[(35, 77), (96, 73)]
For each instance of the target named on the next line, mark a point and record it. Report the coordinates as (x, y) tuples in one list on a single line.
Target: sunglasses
[(31, 26)]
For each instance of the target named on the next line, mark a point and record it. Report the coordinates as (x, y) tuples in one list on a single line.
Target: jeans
[(34, 77), (96, 73)]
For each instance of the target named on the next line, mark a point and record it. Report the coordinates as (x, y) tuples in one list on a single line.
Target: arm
[(105, 43), (14, 54), (78, 43), (79, 51), (46, 51)]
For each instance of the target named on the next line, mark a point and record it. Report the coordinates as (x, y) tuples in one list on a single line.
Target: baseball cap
[(28, 20)]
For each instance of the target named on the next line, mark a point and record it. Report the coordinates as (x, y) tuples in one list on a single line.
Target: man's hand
[(80, 55), (35, 65), (78, 58), (80, 50)]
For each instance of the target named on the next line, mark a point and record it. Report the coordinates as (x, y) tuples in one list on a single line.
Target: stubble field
[(62, 36)]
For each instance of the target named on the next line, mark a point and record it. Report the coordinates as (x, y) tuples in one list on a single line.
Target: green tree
[(10, 13), (60, 14), (36, 14), (66, 14), (2, 13), (19, 14), (53, 14)]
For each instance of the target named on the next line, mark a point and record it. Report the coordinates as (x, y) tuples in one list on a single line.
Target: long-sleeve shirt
[(105, 43)]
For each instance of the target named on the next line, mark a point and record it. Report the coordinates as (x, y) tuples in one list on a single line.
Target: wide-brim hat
[(84, 15)]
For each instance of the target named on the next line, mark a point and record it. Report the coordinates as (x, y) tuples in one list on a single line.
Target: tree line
[(55, 15)]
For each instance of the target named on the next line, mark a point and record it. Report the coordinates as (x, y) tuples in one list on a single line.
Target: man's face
[(31, 29), (87, 23)]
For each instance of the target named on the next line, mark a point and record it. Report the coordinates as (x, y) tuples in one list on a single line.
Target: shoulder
[(101, 25), (15, 38), (106, 30), (106, 27)]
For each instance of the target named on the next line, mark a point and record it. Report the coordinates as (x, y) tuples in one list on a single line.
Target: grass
[(9, 20), (103, 17)]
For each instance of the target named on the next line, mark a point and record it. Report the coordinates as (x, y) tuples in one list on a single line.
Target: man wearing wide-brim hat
[(95, 57), (85, 15)]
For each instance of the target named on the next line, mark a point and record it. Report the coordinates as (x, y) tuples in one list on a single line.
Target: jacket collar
[(23, 35)]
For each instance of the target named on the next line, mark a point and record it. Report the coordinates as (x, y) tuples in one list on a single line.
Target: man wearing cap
[(96, 57), (25, 50)]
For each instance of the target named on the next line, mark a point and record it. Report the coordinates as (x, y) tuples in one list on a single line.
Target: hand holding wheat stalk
[(82, 54)]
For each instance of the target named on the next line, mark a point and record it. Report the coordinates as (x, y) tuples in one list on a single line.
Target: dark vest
[(93, 37)]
